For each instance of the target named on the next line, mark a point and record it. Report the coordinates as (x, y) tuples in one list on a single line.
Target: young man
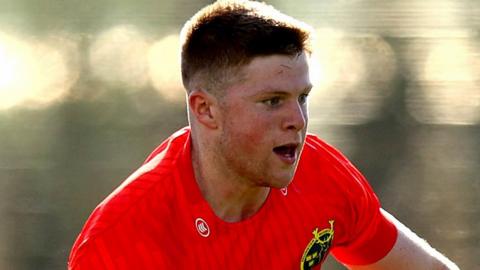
[(244, 186)]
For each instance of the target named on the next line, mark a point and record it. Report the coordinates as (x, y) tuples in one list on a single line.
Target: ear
[(203, 108)]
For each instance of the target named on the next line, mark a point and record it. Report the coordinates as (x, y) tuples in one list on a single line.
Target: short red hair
[(224, 36)]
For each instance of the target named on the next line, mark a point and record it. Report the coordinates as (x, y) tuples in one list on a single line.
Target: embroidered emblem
[(317, 249)]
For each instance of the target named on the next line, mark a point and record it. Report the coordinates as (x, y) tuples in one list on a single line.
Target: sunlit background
[(88, 88)]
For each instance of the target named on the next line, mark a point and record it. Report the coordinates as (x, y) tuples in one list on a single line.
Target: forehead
[(274, 73)]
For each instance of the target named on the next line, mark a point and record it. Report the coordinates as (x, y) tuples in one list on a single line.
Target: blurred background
[(88, 88)]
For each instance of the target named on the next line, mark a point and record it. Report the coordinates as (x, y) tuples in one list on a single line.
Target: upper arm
[(409, 252)]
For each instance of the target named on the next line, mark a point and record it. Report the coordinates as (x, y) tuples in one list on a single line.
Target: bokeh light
[(447, 89), (118, 57), (15, 60), (352, 76), (451, 60), (164, 68), (36, 73)]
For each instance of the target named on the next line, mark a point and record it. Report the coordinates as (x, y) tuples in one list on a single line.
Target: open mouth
[(287, 152)]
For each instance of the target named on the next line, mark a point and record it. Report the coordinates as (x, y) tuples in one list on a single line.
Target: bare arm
[(409, 252)]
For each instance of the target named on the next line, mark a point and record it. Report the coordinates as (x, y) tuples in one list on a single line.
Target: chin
[(280, 182)]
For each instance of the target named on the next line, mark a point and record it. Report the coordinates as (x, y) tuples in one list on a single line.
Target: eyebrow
[(282, 92), (285, 66), (308, 88)]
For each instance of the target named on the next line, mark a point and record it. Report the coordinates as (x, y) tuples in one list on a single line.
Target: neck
[(231, 198)]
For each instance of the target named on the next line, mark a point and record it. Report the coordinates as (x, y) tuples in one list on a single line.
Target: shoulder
[(318, 149), (363, 234), (322, 164), (155, 178), (319, 156), (149, 189)]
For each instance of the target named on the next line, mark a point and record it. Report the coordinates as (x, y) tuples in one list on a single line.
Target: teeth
[(286, 150)]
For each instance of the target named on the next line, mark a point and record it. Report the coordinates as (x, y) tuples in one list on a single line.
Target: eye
[(302, 99), (272, 102)]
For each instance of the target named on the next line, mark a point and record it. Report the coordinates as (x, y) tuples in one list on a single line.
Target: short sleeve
[(369, 235)]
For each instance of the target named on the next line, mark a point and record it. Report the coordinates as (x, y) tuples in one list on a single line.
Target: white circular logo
[(202, 227), (284, 191)]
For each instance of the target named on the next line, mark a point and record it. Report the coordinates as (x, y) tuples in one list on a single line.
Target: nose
[(296, 117)]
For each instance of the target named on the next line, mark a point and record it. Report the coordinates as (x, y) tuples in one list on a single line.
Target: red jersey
[(158, 219)]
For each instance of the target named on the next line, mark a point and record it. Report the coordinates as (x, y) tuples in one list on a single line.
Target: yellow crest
[(318, 247)]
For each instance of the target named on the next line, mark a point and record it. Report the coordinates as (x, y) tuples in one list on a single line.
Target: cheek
[(248, 128), (246, 121), (248, 139)]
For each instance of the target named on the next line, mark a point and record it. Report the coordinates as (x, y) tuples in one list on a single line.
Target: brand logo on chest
[(202, 227)]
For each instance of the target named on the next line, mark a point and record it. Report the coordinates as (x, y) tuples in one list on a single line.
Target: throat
[(230, 201), (240, 207), (231, 197)]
